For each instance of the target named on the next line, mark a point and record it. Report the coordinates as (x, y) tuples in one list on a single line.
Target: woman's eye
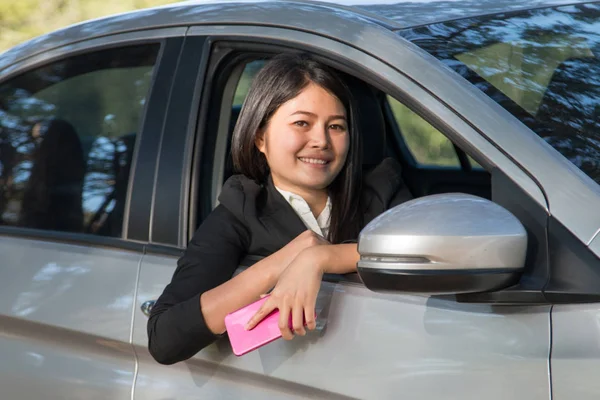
[(301, 123), (337, 127)]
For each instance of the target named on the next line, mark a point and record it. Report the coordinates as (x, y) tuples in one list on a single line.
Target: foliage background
[(21, 20)]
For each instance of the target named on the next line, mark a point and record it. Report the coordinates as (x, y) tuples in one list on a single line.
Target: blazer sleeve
[(176, 327), (384, 188)]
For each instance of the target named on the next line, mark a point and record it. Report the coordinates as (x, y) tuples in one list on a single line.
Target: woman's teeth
[(313, 161)]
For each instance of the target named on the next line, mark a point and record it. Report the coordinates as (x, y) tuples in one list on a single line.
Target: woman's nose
[(319, 137)]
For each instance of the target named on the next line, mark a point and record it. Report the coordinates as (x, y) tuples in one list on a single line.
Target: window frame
[(133, 227)]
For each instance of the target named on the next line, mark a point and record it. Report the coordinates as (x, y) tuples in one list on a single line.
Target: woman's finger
[(298, 318), (262, 312), (284, 321), (309, 317)]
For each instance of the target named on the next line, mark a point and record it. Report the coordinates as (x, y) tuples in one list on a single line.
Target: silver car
[(114, 145)]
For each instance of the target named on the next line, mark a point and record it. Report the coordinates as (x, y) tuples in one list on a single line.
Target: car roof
[(341, 15)]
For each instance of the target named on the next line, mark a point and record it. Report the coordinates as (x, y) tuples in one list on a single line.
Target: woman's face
[(306, 141)]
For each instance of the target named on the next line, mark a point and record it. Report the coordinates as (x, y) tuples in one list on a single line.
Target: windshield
[(541, 65)]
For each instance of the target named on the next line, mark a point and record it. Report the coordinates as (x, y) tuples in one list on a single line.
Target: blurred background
[(21, 20)]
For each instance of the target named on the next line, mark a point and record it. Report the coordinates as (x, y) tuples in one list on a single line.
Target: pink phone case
[(243, 341)]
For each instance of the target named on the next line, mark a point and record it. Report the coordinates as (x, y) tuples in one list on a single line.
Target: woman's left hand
[(296, 294)]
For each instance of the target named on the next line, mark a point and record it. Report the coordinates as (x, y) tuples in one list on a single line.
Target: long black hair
[(280, 80)]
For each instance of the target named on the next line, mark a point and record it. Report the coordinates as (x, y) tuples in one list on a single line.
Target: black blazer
[(250, 219)]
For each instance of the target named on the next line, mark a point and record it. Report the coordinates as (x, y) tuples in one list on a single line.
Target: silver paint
[(65, 320), (576, 351), (445, 231), (322, 18)]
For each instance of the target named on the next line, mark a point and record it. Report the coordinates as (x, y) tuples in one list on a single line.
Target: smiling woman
[(298, 200)]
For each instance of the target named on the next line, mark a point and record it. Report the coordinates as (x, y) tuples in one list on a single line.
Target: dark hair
[(280, 80), (52, 198)]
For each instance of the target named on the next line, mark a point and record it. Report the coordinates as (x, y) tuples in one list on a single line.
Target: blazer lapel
[(279, 217)]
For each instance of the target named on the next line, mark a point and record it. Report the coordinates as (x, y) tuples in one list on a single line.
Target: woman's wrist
[(319, 256), (333, 259)]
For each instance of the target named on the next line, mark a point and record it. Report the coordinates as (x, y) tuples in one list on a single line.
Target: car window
[(241, 91), (541, 65), (428, 146), (67, 134)]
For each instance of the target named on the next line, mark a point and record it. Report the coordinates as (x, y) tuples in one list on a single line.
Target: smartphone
[(266, 331)]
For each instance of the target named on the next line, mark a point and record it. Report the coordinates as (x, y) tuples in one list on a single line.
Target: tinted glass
[(541, 65), (67, 135)]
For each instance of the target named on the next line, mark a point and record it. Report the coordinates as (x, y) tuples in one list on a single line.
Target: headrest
[(371, 123)]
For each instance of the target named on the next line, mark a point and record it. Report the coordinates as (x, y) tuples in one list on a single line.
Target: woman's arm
[(176, 327), (297, 288), (336, 259), (247, 286), (190, 312)]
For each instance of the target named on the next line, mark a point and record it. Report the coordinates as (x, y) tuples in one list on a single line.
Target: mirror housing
[(442, 244)]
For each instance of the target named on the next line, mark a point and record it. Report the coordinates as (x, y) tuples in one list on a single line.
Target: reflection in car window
[(67, 133), (542, 65)]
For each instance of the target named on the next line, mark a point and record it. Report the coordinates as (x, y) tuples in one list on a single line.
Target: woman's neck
[(315, 198)]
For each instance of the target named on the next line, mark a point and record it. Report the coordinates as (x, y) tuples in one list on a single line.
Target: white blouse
[(319, 225)]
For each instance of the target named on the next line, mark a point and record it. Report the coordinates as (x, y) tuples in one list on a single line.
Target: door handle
[(147, 307)]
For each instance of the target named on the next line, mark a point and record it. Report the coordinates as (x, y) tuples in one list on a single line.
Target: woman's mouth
[(314, 161)]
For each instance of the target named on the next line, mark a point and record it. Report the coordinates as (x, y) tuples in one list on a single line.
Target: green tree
[(24, 19)]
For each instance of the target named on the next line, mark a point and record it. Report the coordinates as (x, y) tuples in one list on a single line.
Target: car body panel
[(575, 351), (368, 346), (307, 16), (391, 14), (65, 319)]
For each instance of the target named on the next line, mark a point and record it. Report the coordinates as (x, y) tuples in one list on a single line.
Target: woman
[(299, 200)]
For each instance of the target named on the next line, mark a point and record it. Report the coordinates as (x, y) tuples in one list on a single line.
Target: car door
[(368, 345), (71, 123)]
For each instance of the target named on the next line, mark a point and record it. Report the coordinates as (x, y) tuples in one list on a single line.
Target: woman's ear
[(259, 141)]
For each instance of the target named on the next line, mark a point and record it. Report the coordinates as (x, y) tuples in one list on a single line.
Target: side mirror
[(442, 244)]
